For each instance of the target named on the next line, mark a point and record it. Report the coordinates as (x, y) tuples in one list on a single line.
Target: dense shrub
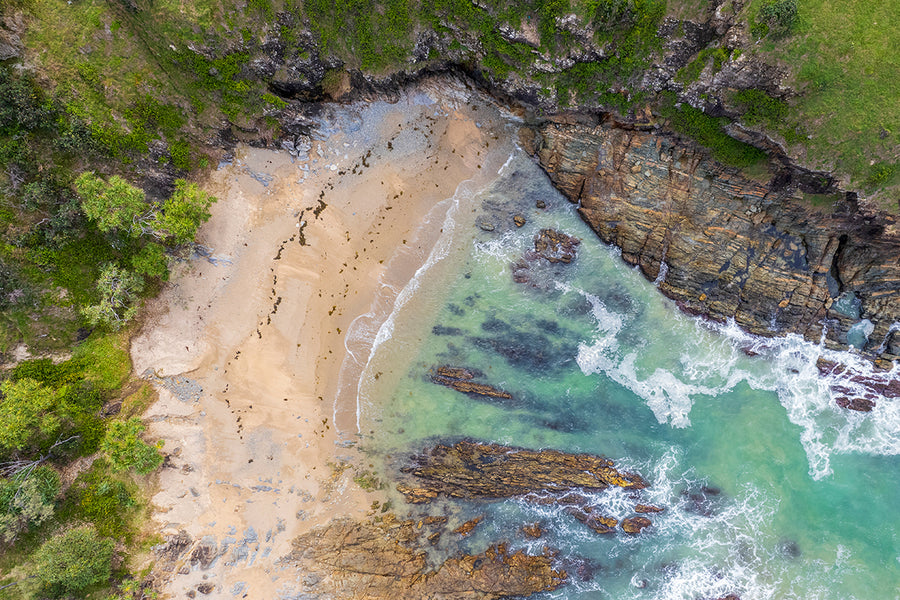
[(72, 562), (26, 500), (126, 450)]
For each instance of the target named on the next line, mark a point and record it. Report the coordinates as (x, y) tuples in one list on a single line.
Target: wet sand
[(300, 246)]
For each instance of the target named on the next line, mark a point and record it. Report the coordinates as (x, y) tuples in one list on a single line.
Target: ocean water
[(770, 490)]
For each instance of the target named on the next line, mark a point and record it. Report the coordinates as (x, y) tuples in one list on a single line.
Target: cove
[(769, 489)]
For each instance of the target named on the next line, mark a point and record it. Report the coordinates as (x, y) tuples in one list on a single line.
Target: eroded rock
[(385, 559), (460, 379), (634, 525), (734, 247), (474, 470)]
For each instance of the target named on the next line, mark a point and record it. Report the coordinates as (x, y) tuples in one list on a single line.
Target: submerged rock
[(647, 508), (460, 379), (469, 526), (594, 520), (555, 246), (386, 559), (857, 391), (473, 470)]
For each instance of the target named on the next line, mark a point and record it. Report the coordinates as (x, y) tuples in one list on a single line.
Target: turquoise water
[(770, 489)]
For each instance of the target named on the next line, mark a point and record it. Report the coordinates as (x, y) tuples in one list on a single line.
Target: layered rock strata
[(384, 559), (473, 470), (732, 247)]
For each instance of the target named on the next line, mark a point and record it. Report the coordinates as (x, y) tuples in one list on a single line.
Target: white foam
[(717, 361)]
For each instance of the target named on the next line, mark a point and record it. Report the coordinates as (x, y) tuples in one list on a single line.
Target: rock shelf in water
[(474, 470), (460, 379), (385, 559)]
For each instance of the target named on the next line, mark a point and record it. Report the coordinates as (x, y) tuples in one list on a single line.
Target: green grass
[(709, 132), (843, 59)]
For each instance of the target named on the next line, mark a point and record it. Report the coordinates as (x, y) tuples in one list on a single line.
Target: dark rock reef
[(733, 247), (460, 379), (473, 470), (385, 559)]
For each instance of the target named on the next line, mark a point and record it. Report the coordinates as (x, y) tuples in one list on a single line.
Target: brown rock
[(519, 220), (592, 519), (635, 524), (460, 379), (745, 244), (533, 531), (555, 246), (467, 527), (473, 470), (386, 560), (647, 508), (857, 404)]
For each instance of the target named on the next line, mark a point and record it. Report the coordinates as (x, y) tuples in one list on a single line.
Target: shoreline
[(246, 345)]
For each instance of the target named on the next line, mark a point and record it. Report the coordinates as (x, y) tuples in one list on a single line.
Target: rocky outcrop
[(490, 471), (732, 247), (460, 379), (551, 246), (634, 525), (555, 246), (386, 559)]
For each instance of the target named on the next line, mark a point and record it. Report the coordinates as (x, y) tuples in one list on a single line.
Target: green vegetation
[(27, 500), (72, 562), (691, 72), (842, 60), (126, 450), (710, 132), (118, 289)]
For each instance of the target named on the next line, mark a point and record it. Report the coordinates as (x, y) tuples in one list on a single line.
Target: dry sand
[(300, 246)]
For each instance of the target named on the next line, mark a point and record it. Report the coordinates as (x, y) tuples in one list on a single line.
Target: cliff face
[(733, 247)]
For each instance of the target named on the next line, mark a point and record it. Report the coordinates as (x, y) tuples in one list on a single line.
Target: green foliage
[(105, 360), (880, 174), (274, 101), (760, 108), (151, 261), (691, 71), (778, 17), (27, 500), (126, 450), (72, 562), (30, 414), (118, 289), (709, 132), (548, 11), (44, 371), (180, 153), (374, 34), (105, 501), (113, 205), (183, 213)]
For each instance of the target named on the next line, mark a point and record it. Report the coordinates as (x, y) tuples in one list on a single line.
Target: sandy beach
[(247, 344)]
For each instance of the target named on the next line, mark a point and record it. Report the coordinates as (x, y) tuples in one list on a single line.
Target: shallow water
[(770, 489)]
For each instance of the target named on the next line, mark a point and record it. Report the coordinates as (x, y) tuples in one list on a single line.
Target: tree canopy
[(113, 205)]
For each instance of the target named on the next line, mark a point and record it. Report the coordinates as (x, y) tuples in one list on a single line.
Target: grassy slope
[(843, 59)]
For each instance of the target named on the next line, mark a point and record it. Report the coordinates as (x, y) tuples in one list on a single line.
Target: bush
[(126, 450), (30, 415), (72, 562), (105, 502), (27, 500), (118, 289), (112, 205), (184, 212), (778, 16), (151, 261)]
